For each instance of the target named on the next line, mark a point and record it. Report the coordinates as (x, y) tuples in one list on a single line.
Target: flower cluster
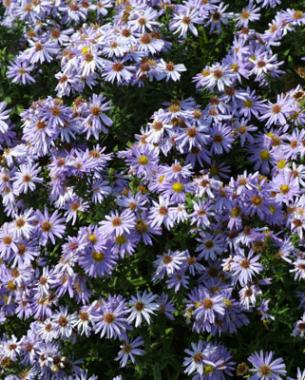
[(214, 185)]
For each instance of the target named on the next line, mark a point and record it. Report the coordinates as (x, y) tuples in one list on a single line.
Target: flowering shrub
[(152, 182)]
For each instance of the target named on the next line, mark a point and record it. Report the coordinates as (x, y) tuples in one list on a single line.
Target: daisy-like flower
[(244, 268), (26, 178), (129, 349), (248, 14), (184, 19), (144, 19), (110, 318), (64, 322), (299, 268), (89, 61), (207, 306), (19, 71), (161, 213), (285, 186), (194, 362), (117, 224), (210, 245), (148, 43), (217, 76), (23, 225), (98, 263), (170, 70), (116, 71), (209, 361), (142, 306), (168, 263), (266, 367), (83, 321), (40, 51), (97, 121), (277, 113), (49, 226)]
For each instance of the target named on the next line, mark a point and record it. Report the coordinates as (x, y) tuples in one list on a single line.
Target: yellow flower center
[(284, 189), (120, 239), (281, 164), (98, 256), (178, 187), (264, 155), (208, 369), (143, 160)]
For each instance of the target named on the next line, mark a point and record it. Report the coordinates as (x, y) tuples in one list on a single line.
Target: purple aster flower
[(276, 113), (40, 51), (50, 227), (142, 306), (110, 318), (19, 71), (170, 70), (98, 263), (266, 367), (185, 18), (117, 224), (129, 349), (168, 263), (161, 213), (166, 306), (209, 361), (222, 139), (97, 121), (244, 268), (285, 186), (26, 178), (116, 71), (141, 159), (216, 76)]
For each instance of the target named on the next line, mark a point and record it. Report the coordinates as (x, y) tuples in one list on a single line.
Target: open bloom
[(266, 367)]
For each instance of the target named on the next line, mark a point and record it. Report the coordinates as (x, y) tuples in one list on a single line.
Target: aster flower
[(170, 70), (26, 178), (41, 51), (98, 263), (207, 306), (110, 318), (216, 76), (50, 226), (276, 112), (244, 268), (285, 186), (168, 263), (165, 306), (161, 213), (142, 306), (265, 367), (116, 71), (19, 71), (209, 361), (129, 349), (118, 224), (248, 14), (97, 121), (24, 224), (184, 19)]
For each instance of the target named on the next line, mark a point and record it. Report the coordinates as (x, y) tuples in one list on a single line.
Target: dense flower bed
[(152, 182)]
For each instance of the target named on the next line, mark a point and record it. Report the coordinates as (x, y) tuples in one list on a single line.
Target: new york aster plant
[(152, 177)]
